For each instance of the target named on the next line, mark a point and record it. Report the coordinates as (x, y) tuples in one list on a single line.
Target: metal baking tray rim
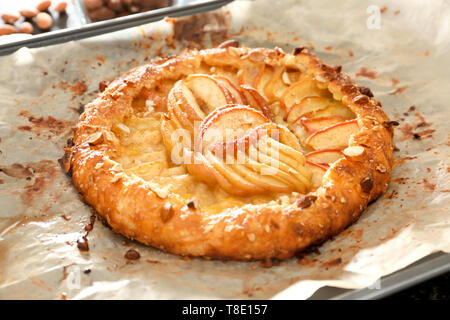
[(116, 24)]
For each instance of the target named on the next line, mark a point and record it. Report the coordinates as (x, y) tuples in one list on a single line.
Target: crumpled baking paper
[(399, 49)]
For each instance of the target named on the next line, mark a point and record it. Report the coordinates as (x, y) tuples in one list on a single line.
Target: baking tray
[(79, 27), (418, 272)]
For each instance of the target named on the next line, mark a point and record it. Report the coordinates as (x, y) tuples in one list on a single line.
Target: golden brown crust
[(251, 232)]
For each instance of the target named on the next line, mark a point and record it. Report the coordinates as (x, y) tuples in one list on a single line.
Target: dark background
[(434, 289)]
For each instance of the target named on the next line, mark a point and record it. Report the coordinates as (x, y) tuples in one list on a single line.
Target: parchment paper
[(406, 63)]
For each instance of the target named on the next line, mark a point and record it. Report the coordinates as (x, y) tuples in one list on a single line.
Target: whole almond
[(44, 21), (44, 5), (102, 13), (10, 18), (155, 4), (6, 29), (28, 13), (353, 151), (115, 5), (60, 6), (92, 4), (26, 27), (134, 9)]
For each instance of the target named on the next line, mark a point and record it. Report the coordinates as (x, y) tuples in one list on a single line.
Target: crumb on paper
[(398, 90), (365, 72)]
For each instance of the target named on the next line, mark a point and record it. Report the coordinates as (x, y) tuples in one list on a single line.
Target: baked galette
[(232, 152)]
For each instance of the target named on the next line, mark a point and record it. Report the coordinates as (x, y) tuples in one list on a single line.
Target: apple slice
[(291, 75), (250, 76), (306, 105), (324, 156), (198, 166), (334, 137), (275, 88), (228, 124), (266, 76), (167, 128), (235, 179), (303, 88), (148, 170), (290, 160), (289, 180), (318, 172), (228, 72), (274, 166), (208, 91), (334, 110), (280, 137), (238, 96), (183, 105), (205, 171), (267, 182), (316, 124), (256, 100)]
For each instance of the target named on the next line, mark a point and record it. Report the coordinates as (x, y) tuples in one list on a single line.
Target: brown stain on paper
[(413, 130), (365, 72), (41, 125), (38, 174)]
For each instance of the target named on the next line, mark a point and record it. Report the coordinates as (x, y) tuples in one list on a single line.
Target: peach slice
[(318, 172), (324, 156), (307, 105), (208, 91), (316, 124), (256, 100), (334, 137), (303, 88), (228, 124)]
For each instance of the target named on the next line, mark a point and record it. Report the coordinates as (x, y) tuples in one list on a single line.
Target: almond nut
[(10, 18), (229, 43), (44, 21), (285, 78), (353, 151), (28, 13), (26, 27), (166, 212), (44, 5), (6, 29), (92, 4), (60, 6)]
